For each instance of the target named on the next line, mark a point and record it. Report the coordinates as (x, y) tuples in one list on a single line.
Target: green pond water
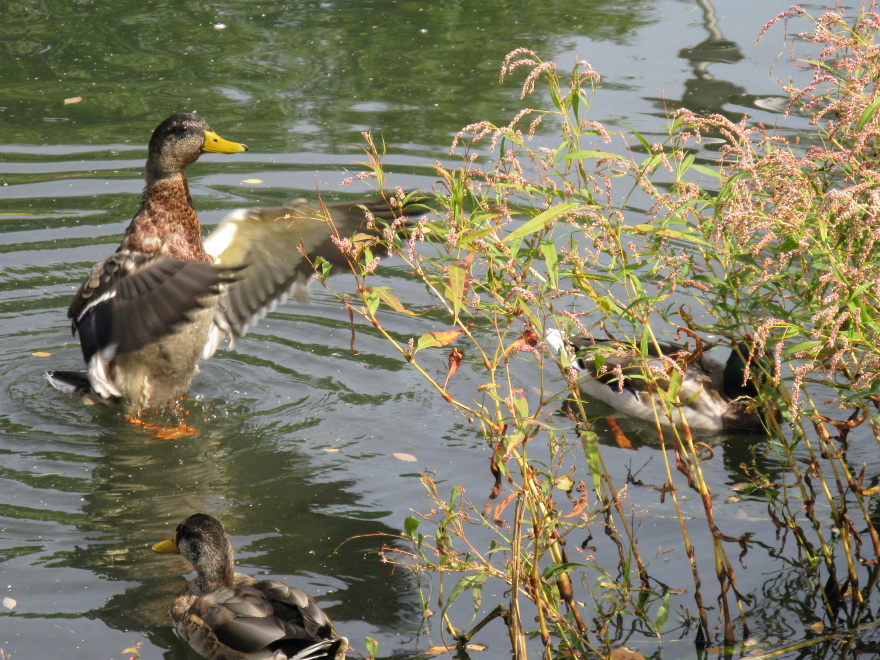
[(299, 441)]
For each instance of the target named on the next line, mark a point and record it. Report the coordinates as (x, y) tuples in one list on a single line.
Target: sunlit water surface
[(308, 452)]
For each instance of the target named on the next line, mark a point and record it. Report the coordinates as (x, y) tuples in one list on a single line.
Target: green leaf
[(410, 525), (662, 613), (540, 221), (687, 236), (472, 236), (324, 265), (457, 278), (578, 155), (803, 346), (747, 259), (457, 492), (371, 297), (867, 113), (372, 646), (702, 169), (385, 295), (551, 258), (565, 483), (590, 443), (687, 162), (639, 137), (472, 582)]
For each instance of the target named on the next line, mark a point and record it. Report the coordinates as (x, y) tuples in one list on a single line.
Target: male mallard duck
[(715, 394), (148, 314), (224, 614)]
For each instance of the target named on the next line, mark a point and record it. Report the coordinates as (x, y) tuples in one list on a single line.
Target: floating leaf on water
[(740, 486), (440, 650), (624, 653), (733, 499), (818, 627), (252, 181), (331, 450), (409, 458), (9, 603), (41, 354), (73, 99), (427, 613)]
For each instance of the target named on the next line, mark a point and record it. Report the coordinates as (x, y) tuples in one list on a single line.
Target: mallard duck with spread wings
[(166, 299), (230, 616)]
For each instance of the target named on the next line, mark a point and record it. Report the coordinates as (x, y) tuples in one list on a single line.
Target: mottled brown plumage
[(148, 314), (166, 223), (226, 615)]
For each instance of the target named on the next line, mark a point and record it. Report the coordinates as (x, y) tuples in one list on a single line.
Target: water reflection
[(707, 93), (742, 455), (324, 71), (703, 92)]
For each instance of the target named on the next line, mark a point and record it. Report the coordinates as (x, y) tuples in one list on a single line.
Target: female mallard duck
[(166, 299), (717, 396), (224, 614)]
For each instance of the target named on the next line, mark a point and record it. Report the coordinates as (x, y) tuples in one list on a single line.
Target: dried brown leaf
[(624, 653), (440, 650)]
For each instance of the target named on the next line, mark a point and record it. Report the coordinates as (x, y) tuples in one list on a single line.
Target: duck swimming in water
[(717, 396), (225, 615)]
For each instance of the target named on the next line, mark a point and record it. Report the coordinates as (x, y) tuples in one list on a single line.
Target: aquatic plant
[(773, 245)]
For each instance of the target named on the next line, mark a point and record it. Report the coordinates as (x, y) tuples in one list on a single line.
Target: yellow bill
[(215, 144), (168, 546)]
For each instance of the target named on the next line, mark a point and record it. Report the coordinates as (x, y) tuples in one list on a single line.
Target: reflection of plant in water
[(782, 256)]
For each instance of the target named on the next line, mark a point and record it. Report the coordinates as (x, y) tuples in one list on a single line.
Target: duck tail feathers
[(76, 383), (554, 341)]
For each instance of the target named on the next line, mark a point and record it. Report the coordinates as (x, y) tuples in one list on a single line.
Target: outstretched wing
[(275, 249), (131, 300)]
